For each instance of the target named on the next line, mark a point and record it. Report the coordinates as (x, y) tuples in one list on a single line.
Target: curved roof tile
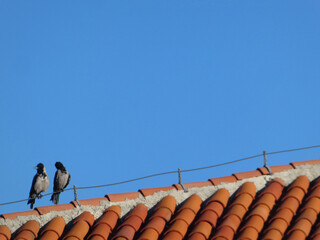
[(275, 212)]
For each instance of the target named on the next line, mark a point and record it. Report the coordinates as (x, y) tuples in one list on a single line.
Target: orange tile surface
[(5, 232), (28, 231), (248, 174), (274, 212), (119, 197), (149, 191), (53, 230), (227, 179), (59, 207), (16, 214)]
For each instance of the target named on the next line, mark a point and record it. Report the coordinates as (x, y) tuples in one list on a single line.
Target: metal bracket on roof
[(180, 182), (75, 195), (265, 162)]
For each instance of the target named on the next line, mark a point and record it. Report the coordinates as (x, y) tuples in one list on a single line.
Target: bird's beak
[(35, 167)]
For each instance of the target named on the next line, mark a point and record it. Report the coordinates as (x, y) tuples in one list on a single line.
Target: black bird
[(40, 184), (61, 181)]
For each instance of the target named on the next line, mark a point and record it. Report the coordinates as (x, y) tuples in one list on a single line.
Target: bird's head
[(40, 167), (59, 165)]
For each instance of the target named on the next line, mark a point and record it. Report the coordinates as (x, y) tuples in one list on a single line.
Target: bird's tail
[(31, 201), (55, 197)]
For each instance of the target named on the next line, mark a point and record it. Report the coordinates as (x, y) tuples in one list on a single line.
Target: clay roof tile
[(168, 202), (203, 228), (249, 188), (5, 232), (56, 226), (193, 203), (222, 196), (301, 182)]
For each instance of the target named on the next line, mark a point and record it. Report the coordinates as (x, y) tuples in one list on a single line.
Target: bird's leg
[(40, 196)]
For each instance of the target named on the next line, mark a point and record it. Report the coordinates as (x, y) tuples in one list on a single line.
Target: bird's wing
[(32, 190), (68, 181), (56, 182)]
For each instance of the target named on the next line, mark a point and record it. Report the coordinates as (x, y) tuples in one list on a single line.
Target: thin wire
[(127, 181), (294, 149), (221, 164), (172, 172)]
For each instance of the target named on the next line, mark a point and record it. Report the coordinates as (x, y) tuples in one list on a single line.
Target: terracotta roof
[(247, 205)]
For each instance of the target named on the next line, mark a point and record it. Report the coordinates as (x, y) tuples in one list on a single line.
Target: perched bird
[(40, 184), (61, 181)]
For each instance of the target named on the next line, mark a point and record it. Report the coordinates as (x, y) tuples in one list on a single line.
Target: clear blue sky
[(122, 89)]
